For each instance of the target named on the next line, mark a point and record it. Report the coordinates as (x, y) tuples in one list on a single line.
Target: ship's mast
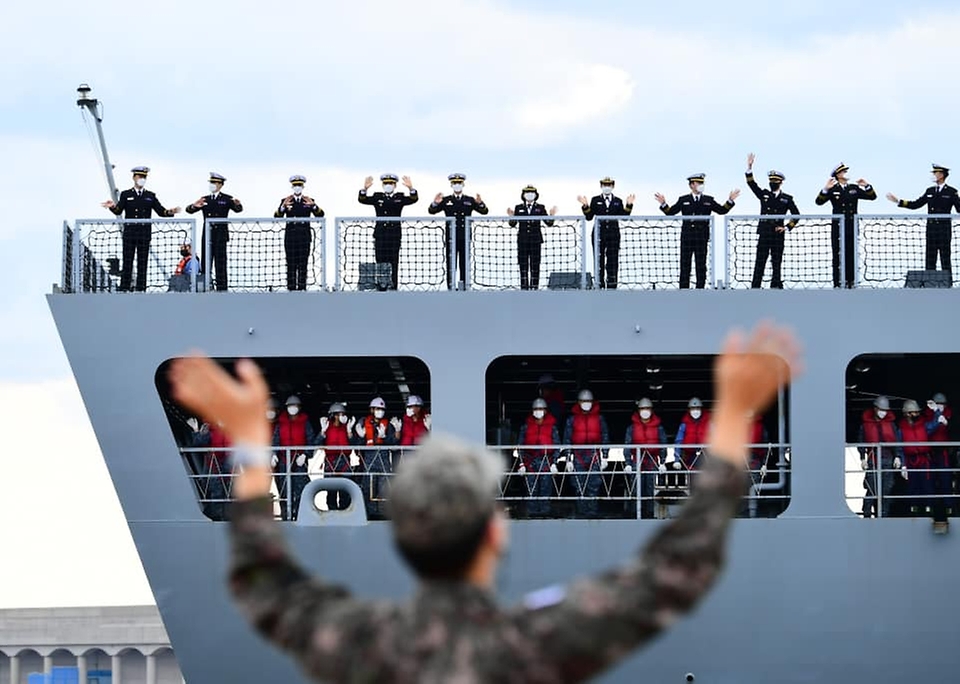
[(92, 105)]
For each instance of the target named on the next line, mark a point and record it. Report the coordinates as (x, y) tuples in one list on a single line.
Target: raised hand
[(427, 421), (324, 425), (308, 201), (734, 194), (201, 203), (750, 159), (509, 211), (830, 183), (397, 425), (862, 183), (893, 198), (438, 198), (582, 199), (109, 204), (407, 182), (553, 211), (660, 198), (361, 431), (351, 423), (240, 406), (750, 370), (367, 182), (631, 198), (477, 197)]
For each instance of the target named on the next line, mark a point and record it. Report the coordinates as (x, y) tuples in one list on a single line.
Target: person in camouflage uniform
[(449, 528)]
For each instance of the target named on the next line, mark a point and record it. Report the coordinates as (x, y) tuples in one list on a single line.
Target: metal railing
[(557, 481), (890, 250)]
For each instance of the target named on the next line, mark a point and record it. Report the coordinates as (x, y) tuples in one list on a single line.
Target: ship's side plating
[(815, 595)]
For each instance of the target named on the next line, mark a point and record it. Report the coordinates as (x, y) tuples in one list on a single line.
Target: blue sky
[(559, 93)]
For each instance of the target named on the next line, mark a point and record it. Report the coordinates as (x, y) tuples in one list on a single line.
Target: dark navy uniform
[(770, 240), (939, 199), (609, 250), (298, 236), (459, 206), (844, 200), (695, 235), (387, 235), (529, 239), (137, 203), (216, 206)]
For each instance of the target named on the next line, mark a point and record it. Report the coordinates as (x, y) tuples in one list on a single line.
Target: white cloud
[(66, 541)]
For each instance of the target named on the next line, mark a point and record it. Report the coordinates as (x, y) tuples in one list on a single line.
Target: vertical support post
[(47, 665), (151, 669), (193, 273), (323, 254), (843, 251), (856, 251), (207, 261), (452, 252), (597, 275), (82, 668), (713, 276), (583, 253), (77, 259), (15, 668), (289, 479), (116, 672), (468, 227), (337, 228)]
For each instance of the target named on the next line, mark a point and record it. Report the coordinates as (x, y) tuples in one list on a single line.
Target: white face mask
[(139, 181), (586, 406), (457, 187), (271, 414), (529, 196), (539, 414), (696, 413), (881, 413), (940, 407), (410, 411), (297, 189), (214, 188), (934, 179), (606, 190), (342, 419), (389, 188), (646, 413), (378, 413), (697, 188), (293, 410)]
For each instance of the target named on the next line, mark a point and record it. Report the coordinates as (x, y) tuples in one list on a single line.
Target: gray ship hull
[(814, 595)]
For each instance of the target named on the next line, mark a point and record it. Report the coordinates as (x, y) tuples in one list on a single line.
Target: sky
[(559, 93)]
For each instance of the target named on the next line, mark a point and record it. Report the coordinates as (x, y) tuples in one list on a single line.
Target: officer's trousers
[(529, 248), (136, 241), (296, 244), (693, 244), (769, 243)]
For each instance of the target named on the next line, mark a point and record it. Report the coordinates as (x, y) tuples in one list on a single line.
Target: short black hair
[(449, 560)]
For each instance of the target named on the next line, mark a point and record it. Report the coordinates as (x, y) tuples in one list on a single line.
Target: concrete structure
[(130, 641)]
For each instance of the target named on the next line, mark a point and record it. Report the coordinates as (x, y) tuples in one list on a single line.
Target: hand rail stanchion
[(76, 260), (597, 275), (206, 262), (193, 243), (466, 254), (856, 252), (289, 480), (336, 249), (323, 254), (712, 265), (583, 253), (842, 271)]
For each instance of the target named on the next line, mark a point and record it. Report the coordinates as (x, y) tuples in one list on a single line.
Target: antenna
[(92, 105)]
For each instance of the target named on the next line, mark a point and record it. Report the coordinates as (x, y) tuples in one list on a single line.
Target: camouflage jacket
[(455, 632)]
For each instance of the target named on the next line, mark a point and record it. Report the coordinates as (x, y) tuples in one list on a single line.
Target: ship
[(811, 591)]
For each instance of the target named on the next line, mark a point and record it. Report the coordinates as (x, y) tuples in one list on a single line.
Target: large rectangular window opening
[(351, 417), (583, 461), (901, 454)]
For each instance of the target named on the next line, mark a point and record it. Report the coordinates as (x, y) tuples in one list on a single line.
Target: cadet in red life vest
[(293, 430), (879, 426), (917, 458), (939, 414), (336, 432), (539, 465), (374, 432), (694, 429), (645, 429), (586, 426), (415, 424), (217, 469)]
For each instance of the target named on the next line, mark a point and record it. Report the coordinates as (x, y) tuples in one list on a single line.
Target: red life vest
[(941, 433), (915, 456), (182, 265), (696, 432), (337, 460), (371, 427), (878, 430), (412, 431), (537, 434), (218, 461), (646, 433), (586, 426), (293, 429)]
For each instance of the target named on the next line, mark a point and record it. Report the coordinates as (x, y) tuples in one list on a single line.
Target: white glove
[(351, 423), (942, 419), (324, 424), (193, 424), (628, 468), (662, 468), (382, 431), (569, 466), (864, 464), (274, 461), (522, 469), (361, 431), (397, 425), (677, 465), (896, 463), (553, 468), (603, 464), (301, 459), (427, 421), (903, 473), (763, 471)]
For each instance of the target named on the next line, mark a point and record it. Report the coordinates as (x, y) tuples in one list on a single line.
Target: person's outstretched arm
[(591, 624), (285, 604)]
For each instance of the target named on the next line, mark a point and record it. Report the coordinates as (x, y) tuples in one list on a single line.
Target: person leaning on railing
[(137, 203), (449, 529)]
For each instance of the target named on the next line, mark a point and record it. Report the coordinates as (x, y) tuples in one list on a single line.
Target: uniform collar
[(455, 596)]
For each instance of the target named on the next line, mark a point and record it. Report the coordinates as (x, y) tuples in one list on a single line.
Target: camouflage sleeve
[(308, 618), (591, 624)]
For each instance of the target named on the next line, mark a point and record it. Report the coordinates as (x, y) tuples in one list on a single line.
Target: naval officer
[(216, 205), (939, 198)]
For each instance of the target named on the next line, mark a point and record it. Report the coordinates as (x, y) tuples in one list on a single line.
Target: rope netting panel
[(139, 255), (889, 247), (264, 254), (645, 254), (531, 254), (393, 253), (804, 253)]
